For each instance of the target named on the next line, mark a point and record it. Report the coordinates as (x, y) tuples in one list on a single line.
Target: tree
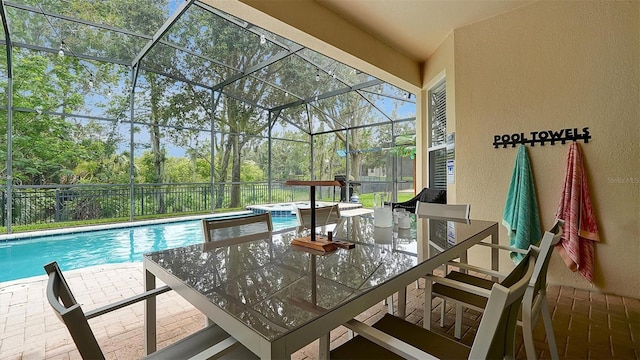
[(45, 147), (181, 92), (349, 110), (289, 159), (405, 146), (48, 148)]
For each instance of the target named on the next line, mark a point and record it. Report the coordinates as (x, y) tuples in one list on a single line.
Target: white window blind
[(437, 145)]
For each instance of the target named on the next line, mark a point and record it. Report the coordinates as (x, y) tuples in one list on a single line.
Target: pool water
[(25, 258)]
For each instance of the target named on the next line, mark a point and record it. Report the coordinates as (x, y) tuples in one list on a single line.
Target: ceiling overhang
[(389, 39), (340, 40)]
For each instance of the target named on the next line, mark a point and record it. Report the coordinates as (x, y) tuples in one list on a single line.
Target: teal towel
[(520, 215)]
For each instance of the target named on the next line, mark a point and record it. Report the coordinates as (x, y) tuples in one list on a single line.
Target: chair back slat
[(236, 227), (496, 334), (453, 211), (324, 215), (70, 313)]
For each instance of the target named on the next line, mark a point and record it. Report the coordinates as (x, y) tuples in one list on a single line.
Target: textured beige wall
[(549, 66)]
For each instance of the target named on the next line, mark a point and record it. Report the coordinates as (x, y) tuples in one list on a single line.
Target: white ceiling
[(416, 27)]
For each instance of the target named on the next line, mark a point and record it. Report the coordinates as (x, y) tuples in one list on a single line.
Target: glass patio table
[(276, 298)]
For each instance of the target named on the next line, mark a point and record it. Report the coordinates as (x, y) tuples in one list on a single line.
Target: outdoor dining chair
[(453, 211), (451, 288), (324, 215), (438, 210), (228, 229), (203, 344), (235, 230), (395, 338)]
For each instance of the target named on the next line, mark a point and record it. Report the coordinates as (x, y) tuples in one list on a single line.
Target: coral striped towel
[(580, 227), (520, 215)]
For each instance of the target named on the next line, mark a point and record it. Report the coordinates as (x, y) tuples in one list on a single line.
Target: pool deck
[(587, 325)]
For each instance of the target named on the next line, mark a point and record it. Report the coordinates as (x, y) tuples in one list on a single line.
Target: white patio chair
[(394, 338), (448, 211), (324, 215), (452, 211), (209, 342), (534, 302), (235, 228)]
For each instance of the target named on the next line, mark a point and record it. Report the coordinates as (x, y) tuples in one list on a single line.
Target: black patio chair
[(437, 196)]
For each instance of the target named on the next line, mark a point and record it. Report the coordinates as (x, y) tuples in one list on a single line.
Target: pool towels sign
[(542, 137)]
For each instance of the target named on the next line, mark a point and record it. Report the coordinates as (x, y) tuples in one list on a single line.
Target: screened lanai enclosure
[(126, 109)]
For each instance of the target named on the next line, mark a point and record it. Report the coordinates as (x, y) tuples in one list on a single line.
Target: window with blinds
[(437, 151)]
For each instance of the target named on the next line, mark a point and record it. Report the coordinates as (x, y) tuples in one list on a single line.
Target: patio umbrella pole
[(314, 242)]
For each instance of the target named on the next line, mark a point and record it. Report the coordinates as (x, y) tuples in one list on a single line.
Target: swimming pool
[(25, 258)]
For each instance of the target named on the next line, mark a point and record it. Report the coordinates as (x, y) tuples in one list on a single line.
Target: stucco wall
[(550, 66)]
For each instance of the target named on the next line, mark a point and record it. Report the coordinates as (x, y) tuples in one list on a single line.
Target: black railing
[(68, 203)]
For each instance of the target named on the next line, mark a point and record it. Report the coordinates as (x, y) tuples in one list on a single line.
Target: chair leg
[(402, 303), (324, 347), (458, 326), (389, 301), (548, 328), (443, 306), (464, 259), (527, 332), (426, 319), (510, 346)]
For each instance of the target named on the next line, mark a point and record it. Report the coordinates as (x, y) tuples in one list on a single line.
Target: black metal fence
[(63, 203)]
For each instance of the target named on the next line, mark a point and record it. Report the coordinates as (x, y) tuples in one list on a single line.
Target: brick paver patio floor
[(587, 325)]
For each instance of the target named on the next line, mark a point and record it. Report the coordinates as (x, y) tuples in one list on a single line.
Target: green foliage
[(174, 114), (182, 170), (290, 159), (405, 146), (250, 172), (146, 172), (43, 145)]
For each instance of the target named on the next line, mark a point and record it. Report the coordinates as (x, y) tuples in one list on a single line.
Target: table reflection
[(274, 287)]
